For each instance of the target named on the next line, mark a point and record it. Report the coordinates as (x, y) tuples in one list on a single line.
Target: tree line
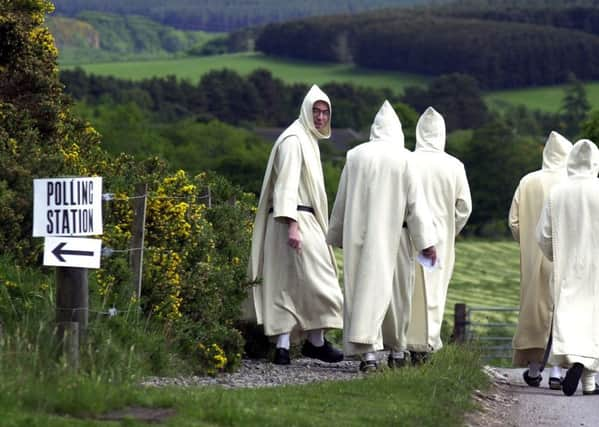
[(499, 54), (258, 98), (224, 16), (575, 15), (207, 126)]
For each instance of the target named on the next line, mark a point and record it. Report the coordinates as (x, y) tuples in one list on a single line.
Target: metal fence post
[(137, 237)]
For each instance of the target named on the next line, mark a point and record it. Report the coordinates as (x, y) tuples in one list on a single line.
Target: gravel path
[(262, 373)]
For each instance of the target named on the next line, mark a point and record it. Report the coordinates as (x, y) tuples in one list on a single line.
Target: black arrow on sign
[(59, 252)]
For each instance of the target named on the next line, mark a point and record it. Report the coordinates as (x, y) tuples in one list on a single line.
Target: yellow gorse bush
[(194, 261), (212, 356)]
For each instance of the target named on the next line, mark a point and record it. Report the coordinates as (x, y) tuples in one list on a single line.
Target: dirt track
[(513, 403)]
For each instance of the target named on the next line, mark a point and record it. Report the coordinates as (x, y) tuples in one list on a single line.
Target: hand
[(294, 238), (430, 253)]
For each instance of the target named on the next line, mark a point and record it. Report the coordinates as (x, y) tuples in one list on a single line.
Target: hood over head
[(583, 159), (555, 153), (430, 131), (306, 119), (386, 125)]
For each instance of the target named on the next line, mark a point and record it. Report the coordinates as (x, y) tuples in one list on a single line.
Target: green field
[(487, 273), (547, 98), (292, 71)]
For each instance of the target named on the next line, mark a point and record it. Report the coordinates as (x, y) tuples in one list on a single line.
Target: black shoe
[(396, 362), (570, 383), (532, 381), (368, 366), (326, 353), (555, 383), (418, 357), (281, 357)]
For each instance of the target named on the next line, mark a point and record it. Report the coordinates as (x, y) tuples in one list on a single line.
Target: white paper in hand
[(427, 263)]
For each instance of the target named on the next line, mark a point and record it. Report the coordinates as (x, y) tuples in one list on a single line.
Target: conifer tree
[(575, 106)]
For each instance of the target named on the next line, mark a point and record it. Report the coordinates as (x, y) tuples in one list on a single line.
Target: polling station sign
[(67, 207)]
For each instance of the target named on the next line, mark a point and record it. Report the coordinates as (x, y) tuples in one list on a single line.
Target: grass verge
[(438, 393)]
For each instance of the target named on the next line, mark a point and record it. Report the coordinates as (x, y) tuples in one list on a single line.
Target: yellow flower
[(12, 145)]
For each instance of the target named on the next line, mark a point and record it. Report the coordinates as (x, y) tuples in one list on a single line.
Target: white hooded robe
[(568, 234), (299, 289), (378, 191), (536, 303), (448, 196)]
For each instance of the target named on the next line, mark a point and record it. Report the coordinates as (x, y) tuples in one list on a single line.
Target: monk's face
[(321, 114)]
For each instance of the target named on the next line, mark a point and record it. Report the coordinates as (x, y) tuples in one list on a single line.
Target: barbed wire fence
[(72, 303), (72, 299)]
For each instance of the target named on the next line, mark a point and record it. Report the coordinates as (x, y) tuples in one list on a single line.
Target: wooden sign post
[(64, 209)]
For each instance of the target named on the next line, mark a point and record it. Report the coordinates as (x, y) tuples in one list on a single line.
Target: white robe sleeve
[(514, 216), (418, 216), (544, 231), (288, 166), (463, 204), (335, 233)]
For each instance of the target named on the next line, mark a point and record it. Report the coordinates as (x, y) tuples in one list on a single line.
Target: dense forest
[(499, 54), (582, 16), (225, 16)]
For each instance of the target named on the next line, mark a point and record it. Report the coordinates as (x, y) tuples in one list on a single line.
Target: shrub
[(195, 256)]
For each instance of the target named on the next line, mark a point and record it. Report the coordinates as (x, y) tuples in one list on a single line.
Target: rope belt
[(299, 208)]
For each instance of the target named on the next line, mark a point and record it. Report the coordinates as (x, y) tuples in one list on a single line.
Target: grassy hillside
[(547, 98), (541, 98), (487, 273), (101, 37)]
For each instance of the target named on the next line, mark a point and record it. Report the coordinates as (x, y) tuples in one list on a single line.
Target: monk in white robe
[(299, 290), (378, 191), (536, 303), (447, 193), (568, 234)]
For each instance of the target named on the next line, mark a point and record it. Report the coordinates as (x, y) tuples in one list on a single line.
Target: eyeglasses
[(317, 112)]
